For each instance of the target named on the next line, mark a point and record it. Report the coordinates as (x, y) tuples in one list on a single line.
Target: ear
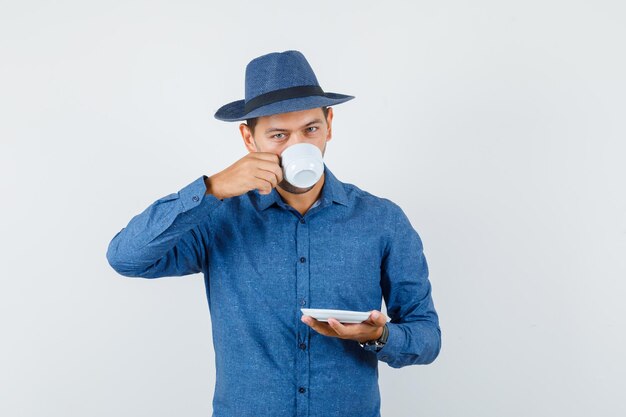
[(329, 121), (246, 135)]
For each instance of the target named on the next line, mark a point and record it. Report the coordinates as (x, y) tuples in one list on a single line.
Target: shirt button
[(302, 221), (302, 346), (302, 390), (302, 302), (195, 198), (303, 259)]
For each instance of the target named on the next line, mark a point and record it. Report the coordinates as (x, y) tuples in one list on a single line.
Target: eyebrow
[(277, 129)]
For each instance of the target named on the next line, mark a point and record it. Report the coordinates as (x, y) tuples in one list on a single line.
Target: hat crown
[(277, 70)]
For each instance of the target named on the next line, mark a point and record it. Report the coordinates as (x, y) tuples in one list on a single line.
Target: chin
[(290, 188)]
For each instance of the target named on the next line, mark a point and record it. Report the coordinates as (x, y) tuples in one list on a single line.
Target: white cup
[(302, 164)]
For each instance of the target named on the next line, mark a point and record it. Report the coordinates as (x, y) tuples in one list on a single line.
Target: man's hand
[(370, 329), (260, 170)]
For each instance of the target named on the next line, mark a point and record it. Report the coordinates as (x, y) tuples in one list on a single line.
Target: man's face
[(276, 132)]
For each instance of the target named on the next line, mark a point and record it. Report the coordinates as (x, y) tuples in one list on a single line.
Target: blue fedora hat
[(279, 82)]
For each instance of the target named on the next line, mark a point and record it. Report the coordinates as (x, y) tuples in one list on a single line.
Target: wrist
[(210, 186), (377, 343), (379, 333), (384, 334)]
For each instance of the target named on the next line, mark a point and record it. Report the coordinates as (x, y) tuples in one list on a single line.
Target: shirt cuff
[(195, 202), (395, 341)]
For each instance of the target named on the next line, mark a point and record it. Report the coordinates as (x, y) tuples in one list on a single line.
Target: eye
[(275, 136), (312, 127)]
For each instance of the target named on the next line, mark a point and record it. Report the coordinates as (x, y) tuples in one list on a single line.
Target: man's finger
[(337, 326), (318, 326), (268, 156), (377, 318)]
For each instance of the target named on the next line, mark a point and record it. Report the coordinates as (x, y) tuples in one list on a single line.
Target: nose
[(295, 138)]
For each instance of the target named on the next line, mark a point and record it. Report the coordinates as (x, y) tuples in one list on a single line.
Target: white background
[(497, 126)]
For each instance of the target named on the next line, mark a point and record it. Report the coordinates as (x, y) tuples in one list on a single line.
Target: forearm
[(147, 246), (414, 332)]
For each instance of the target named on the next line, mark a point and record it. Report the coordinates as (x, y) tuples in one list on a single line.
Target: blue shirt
[(262, 261)]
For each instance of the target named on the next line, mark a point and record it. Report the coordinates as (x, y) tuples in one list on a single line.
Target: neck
[(302, 202)]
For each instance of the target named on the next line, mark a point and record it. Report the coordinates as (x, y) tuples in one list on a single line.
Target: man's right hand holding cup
[(256, 170)]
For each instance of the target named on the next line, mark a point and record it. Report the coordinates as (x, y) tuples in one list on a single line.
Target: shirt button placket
[(302, 289)]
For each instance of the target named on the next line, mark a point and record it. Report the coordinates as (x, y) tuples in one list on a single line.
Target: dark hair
[(252, 122)]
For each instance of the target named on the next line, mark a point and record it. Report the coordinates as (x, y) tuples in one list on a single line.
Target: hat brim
[(235, 111)]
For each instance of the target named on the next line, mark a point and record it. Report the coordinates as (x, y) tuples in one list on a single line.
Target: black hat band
[(282, 94)]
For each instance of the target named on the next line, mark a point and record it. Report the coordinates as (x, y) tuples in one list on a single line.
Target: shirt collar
[(332, 190)]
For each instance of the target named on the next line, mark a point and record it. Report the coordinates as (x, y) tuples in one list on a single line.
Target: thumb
[(378, 318)]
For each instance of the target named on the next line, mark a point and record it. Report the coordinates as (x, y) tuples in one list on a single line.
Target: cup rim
[(307, 146), (321, 163)]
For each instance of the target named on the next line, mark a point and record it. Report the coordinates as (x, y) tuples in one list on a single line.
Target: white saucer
[(343, 316)]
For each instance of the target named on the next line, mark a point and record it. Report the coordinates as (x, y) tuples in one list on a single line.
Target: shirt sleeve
[(169, 238), (414, 333)]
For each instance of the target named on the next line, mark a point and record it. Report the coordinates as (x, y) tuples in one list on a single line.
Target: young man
[(268, 248)]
